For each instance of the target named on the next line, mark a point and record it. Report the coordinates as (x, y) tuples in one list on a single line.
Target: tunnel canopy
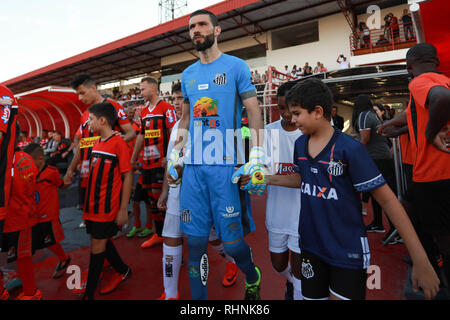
[(51, 108)]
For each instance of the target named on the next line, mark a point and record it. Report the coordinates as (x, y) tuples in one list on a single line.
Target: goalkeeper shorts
[(209, 197)]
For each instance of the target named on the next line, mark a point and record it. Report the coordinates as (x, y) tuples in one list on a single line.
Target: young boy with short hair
[(332, 169), (48, 232), (107, 197)]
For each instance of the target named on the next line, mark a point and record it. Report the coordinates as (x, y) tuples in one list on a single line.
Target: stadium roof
[(141, 53)]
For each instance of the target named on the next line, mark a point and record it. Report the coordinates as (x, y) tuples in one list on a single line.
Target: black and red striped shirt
[(87, 138), (155, 124), (8, 120), (110, 158)]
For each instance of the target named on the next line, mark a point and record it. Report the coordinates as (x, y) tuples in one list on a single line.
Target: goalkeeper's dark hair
[(212, 16)]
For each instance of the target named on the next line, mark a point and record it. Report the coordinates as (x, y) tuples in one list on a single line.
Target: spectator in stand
[(394, 27), (317, 67), (24, 140), (285, 73), (264, 78), (307, 70), (387, 27), (294, 71), (257, 77), (365, 32), (44, 139), (322, 68), (51, 145), (407, 25), (338, 121), (62, 146), (253, 77), (344, 64), (382, 41)]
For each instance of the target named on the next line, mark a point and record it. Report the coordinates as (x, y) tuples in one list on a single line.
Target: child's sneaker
[(252, 291), (375, 228), (133, 232), (115, 281), (146, 232), (61, 268)]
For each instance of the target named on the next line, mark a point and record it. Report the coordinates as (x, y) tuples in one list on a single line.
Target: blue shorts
[(207, 196)]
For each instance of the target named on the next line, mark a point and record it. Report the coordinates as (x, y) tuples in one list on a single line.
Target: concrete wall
[(334, 34)]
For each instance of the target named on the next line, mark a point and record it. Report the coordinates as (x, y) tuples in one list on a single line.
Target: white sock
[(221, 250), (287, 273), (171, 260), (297, 288)]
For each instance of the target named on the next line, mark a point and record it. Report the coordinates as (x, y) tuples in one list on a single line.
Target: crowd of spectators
[(389, 32), (57, 149)]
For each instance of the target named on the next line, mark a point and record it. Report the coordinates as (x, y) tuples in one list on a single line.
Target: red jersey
[(430, 164), (8, 120), (87, 138), (407, 149), (155, 124), (47, 183), (109, 160), (21, 212)]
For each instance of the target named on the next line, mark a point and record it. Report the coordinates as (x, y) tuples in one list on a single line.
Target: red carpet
[(146, 282)]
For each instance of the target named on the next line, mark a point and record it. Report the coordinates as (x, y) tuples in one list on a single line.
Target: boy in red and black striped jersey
[(48, 232), (19, 221), (107, 197), (8, 119), (157, 120)]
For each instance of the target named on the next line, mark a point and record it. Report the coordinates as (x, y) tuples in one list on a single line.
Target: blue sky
[(36, 33)]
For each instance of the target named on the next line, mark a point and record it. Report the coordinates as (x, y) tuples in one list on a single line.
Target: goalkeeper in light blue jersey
[(216, 88)]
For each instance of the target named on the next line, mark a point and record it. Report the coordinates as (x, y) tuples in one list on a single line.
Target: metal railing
[(384, 39)]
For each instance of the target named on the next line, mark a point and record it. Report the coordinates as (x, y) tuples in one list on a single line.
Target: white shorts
[(171, 227), (280, 242), (173, 201)]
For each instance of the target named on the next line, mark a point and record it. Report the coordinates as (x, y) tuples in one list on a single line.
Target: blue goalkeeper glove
[(257, 171), (174, 161)]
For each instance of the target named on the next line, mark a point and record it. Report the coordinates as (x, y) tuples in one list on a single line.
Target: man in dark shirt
[(337, 119), (407, 25)]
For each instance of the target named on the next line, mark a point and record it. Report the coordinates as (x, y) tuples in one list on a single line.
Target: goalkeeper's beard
[(205, 45)]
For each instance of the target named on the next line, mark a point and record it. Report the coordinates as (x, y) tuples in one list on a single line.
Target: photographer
[(344, 64)]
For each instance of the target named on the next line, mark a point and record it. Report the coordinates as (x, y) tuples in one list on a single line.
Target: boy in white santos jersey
[(282, 214), (332, 169)]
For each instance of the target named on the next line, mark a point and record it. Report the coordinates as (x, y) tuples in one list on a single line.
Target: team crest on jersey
[(220, 79), (121, 114), (185, 215), (335, 168), (170, 117), (307, 270), (6, 113)]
